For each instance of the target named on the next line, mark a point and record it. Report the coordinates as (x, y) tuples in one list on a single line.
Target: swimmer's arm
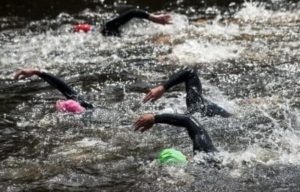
[(179, 121), (137, 13), (199, 136), (125, 17), (160, 19), (59, 84), (141, 14), (175, 79), (146, 121), (66, 90)]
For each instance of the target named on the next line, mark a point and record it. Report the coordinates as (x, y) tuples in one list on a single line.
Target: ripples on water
[(248, 63)]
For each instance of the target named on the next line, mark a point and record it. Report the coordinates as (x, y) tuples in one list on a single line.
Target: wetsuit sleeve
[(112, 26), (127, 16), (197, 133), (179, 77), (66, 90)]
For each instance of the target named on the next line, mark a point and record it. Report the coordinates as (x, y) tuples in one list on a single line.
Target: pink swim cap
[(69, 106)]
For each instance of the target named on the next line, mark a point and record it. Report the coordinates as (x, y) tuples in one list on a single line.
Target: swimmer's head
[(171, 156), (69, 106), (82, 28)]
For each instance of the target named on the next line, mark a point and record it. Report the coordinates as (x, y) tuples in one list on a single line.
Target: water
[(248, 62)]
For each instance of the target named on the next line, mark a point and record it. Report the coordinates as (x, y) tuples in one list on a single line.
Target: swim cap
[(69, 106), (171, 156), (82, 27)]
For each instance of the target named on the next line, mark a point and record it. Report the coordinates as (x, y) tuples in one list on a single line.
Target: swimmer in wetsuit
[(112, 27), (60, 85), (200, 138), (194, 99), (195, 103)]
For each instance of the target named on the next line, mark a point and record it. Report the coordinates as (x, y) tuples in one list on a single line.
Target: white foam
[(285, 150), (255, 11), (193, 51), (49, 50), (218, 30), (88, 142)]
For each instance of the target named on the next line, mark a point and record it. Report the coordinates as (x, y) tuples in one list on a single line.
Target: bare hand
[(24, 73), (144, 122), (161, 19), (154, 94)]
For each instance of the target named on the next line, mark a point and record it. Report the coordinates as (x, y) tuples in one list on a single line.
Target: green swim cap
[(171, 156)]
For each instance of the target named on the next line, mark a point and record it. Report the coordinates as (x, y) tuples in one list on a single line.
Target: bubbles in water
[(248, 64), (192, 52)]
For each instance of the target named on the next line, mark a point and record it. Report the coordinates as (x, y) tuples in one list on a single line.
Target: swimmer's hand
[(144, 122), (161, 19), (154, 94), (25, 73)]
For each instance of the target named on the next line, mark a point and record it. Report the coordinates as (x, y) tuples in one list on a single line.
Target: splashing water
[(247, 63)]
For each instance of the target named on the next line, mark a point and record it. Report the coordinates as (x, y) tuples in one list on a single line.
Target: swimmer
[(112, 27), (74, 103), (200, 138), (194, 98)]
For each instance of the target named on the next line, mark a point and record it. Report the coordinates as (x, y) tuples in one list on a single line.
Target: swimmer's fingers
[(143, 127), (144, 122), (168, 19), (161, 19), (147, 97), (165, 19), (137, 124), (146, 127), (19, 75), (154, 99), (24, 73), (154, 94), (138, 128)]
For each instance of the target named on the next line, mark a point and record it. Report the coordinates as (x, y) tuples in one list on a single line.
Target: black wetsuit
[(194, 99), (200, 138), (66, 90), (195, 103), (111, 28)]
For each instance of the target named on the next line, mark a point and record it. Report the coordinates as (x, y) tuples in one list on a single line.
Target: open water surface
[(248, 58)]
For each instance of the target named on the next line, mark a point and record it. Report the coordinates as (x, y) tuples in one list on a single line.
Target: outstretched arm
[(66, 90), (112, 26), (160, 19), (197, 133), (177, 78)]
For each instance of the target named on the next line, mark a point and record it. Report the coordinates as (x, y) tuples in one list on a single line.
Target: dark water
[(16, 14), (41, 8), (247, 56)]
